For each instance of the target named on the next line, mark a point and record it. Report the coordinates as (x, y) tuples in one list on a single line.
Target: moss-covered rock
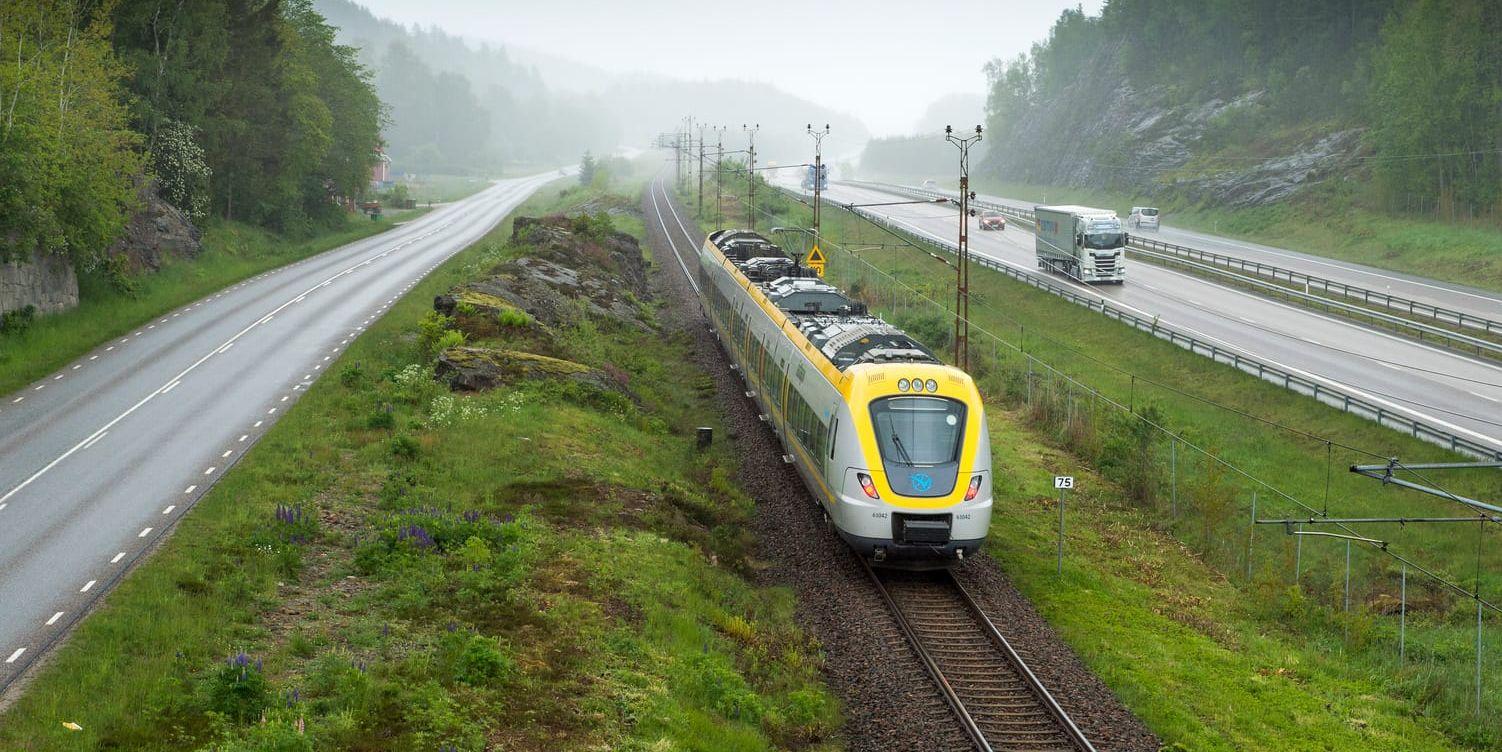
[(572, 266), (472, 369)]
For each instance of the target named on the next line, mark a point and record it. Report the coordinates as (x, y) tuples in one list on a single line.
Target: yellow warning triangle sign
[(815, 257)]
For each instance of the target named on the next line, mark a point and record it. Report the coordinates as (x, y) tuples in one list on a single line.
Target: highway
[(1445, 389), (98, 460), (1470, 300)]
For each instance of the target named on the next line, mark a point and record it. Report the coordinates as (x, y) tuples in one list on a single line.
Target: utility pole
[(678, 157), (701, 171), (818, 170), (719, 177), (962, 268), (751, 173)]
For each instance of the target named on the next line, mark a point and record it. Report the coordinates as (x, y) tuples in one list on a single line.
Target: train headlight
[(974, 488), (933, 386), (902, 385), (867, 485)]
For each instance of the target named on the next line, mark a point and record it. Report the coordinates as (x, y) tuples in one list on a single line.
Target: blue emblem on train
[(921, 482)]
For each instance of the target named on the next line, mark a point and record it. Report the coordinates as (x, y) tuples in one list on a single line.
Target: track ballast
[(1001, 704)]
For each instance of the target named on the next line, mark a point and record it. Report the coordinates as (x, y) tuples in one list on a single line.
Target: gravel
[(889, 701)]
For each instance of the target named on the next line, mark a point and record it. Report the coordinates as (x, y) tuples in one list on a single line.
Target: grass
[(232, 251), (536, 567), (1203, 509), (429, 189), (1328, 221)]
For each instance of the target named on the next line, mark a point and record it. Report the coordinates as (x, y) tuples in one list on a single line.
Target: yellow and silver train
[(891, 442)]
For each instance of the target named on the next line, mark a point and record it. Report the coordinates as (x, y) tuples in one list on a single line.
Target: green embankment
[(1322, 223), (232, 251), (537, 567), (1157, 596)]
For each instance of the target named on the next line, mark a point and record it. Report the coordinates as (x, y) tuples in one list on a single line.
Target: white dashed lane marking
[(86, 586), (15, 655), (117, 558), (54, 618), (190, 489), (144, 533), (169, 509)]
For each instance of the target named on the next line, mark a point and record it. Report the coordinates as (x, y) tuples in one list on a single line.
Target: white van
[(1143, 216)]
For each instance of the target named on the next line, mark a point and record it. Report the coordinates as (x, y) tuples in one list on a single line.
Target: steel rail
[(1063, 727)]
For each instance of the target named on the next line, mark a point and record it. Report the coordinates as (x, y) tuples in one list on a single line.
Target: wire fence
[(1375, 594)]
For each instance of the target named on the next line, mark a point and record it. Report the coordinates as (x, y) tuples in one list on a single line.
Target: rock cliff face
[(158, 230), (49, 283), (1102, 133), (44, 281)]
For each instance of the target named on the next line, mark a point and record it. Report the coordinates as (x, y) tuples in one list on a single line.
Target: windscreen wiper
[(897, 442)]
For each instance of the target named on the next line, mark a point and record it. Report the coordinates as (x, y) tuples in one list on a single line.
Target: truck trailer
[(1086, 244)]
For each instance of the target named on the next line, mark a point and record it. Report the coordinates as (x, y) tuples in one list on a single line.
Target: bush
[(431, 330), (18, 321), (351, 375), (513, 317), (482, 663), (237, 689), (382, 418), (404, 446)]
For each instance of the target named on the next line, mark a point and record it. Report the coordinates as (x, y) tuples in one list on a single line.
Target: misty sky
[(883, 61)]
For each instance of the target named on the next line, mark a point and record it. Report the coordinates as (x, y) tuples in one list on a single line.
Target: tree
[(67, 156), (587, 167)]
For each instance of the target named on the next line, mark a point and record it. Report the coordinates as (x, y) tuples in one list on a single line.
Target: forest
[(239, 109), (462, 108), (1420, 80)]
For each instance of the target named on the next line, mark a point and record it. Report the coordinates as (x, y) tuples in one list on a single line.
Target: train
[(890, 441)]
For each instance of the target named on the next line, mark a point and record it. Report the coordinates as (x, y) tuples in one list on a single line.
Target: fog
[(881, 61)]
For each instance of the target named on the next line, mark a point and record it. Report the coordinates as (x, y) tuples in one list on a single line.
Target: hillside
[(1394, 102)]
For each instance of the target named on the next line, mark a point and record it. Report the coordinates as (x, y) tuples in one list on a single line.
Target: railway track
[(999, 701)]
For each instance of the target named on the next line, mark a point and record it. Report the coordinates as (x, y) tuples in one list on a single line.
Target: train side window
[(834, 430)]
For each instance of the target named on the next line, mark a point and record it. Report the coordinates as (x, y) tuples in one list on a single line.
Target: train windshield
[(918, 430)]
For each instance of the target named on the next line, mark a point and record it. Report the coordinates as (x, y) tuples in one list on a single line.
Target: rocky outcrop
[(44, 281), (155, 232), (475, 369), (1102, 133), (567, 273)]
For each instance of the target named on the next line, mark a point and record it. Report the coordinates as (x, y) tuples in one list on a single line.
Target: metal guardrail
[(1312, 285), (1450, 337), (1304, 385)]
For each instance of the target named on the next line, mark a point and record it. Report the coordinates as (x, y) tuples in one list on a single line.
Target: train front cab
[(916, 454)]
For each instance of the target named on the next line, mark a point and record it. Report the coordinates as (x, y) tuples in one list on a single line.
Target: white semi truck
[(1080, 242)]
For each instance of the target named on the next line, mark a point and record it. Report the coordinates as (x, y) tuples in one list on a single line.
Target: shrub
[(404, 446), (237, 689), (382, 418), (482, 663), (430, 332), (513, 317), (351, 375), (18, 321), (277, 736)]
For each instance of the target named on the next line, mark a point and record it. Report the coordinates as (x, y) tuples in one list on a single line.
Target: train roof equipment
[(840, 327)]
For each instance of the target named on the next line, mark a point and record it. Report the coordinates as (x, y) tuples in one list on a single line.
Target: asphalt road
[(100, 458), (1471, 300), (1440, 387)]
